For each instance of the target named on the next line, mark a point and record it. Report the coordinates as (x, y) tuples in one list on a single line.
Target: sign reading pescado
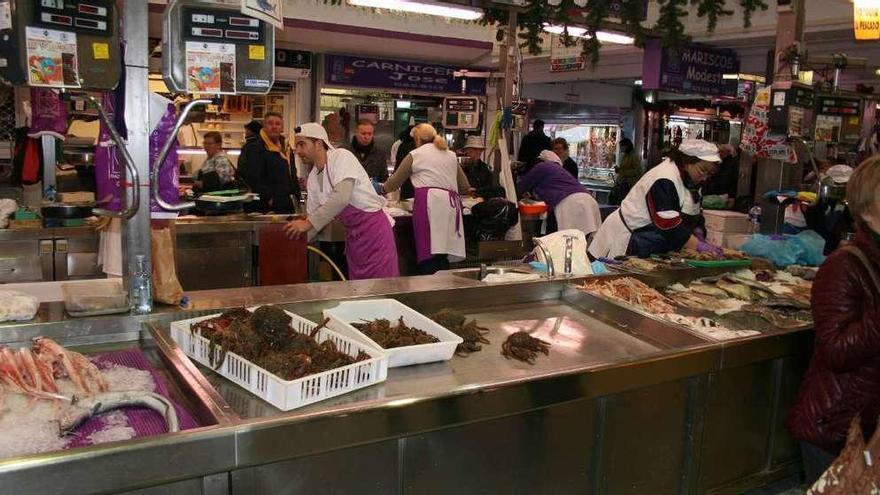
[(343, 70), (692, 69)]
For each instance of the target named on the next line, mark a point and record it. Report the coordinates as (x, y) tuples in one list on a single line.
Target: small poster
[(265, 10), (565, 58), (756, 137), (827, 127), (210, 67), (52, 58)]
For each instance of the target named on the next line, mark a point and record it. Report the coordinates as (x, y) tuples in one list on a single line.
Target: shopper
[(477, 171), (560, 147), (843, 378), (438, 180), (726, 181), (628, 173), (270, 171), (533, 143), (372, 157), (217, 172), (662, 210), (339, 188), (572, 205)]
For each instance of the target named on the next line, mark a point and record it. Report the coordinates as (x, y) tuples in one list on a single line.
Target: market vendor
[(217, 173), (437, 218), (572, 205), (661, 211), (340, 188)]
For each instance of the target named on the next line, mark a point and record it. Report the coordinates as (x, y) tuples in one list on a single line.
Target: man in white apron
[(657, 216), (339, 188)]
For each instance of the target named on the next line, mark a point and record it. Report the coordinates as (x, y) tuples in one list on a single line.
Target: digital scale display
[(82, 17), (215, 25)]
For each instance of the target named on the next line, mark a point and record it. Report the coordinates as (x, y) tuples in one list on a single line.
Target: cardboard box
[(727, 221), (727, 240)]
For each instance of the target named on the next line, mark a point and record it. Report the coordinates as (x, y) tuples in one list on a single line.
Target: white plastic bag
[(17, 306), (555, 243)]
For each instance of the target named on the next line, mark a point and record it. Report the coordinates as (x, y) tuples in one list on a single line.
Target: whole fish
[(81, 409), (752, 284), (736, 290), (709, 290)]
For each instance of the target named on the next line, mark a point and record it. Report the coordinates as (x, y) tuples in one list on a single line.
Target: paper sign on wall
[(52, 59), (210, 67)]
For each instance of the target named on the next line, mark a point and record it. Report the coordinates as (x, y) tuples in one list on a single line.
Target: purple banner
[(364, 72), (694, 69)]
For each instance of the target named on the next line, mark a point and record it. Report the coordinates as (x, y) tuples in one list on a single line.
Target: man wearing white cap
[(661, 210), (478, 173), (339, 188)]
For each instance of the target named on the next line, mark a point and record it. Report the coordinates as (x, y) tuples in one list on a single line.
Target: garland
[(594, 14)]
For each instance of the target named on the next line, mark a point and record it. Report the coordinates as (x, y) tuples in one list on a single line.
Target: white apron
[(436, 172), (612, 238), (578, 211)]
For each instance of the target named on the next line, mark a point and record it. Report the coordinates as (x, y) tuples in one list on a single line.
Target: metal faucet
[(484, 271), (132, 207), (551, 272), (569, 247), (163, 153)]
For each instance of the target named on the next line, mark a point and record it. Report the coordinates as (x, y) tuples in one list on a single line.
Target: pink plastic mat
[(145, 422)]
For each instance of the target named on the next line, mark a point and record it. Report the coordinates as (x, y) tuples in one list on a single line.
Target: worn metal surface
[(619, 406)]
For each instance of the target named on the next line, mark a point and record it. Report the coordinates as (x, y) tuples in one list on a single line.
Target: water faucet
[(551, 271), (484, 271), (569, 247)]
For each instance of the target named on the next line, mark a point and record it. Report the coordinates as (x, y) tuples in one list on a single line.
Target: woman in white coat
[(438, 180), (661, 211)]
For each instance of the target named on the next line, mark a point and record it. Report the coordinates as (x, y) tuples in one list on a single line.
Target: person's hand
[(472, 192), (708, 247), (295, 229)]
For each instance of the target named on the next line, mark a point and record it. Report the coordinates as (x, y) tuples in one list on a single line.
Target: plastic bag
[(169, 176), (48, 114), (166, 286), (17, 306), (802, 249)]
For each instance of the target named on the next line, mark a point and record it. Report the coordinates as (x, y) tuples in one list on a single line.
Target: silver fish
[(709, 290), (736, 290), (81, 409), (752, 284)]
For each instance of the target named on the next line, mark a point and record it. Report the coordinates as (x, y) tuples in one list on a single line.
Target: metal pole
[(136, 239), (50, 161)]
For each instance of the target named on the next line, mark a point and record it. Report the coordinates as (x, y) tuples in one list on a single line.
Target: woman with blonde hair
[(438, 180)]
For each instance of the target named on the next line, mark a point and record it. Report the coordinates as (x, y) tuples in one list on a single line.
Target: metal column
[(50, 161), (136, 239)]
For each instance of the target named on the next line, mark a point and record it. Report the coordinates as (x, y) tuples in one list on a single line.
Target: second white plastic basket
[(348, 312), (284, 394)]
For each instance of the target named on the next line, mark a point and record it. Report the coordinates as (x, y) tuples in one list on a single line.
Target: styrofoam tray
[(284, 394), (348, 312)]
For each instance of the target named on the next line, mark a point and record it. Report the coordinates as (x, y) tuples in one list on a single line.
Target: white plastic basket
[(283, 394), (348, 312)]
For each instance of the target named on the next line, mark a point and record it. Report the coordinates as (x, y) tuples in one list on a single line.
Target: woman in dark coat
[(843, 379)]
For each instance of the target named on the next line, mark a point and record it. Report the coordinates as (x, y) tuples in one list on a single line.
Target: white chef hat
[(314, 130), (699, 148), (549, 156)]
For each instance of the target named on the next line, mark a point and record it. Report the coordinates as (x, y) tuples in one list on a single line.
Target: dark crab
[(524, 347), (469, 331)]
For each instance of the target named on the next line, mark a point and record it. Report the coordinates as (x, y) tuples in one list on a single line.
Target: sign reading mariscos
[(692, 69), (364, 72)]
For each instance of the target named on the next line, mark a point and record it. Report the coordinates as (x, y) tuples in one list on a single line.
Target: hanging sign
[(695, 69), (565, 58), (51, 57), (266, 10), (210, 67), (365, 72), (866, 19)]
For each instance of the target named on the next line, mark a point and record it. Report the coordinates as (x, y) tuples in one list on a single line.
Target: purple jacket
[(550, 182)]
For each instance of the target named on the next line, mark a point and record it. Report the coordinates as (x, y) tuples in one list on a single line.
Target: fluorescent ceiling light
[(403, 104), (421, 8), (579, 32)]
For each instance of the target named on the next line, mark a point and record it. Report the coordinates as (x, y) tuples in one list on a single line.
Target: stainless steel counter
[(623, 404)]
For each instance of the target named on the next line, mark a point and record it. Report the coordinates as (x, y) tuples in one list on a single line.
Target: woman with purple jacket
[(573, 206)]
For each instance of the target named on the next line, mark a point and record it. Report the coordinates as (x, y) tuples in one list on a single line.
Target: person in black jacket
[(533, 143), (405, 145), (372, 157), (268, 168), (560, 147)]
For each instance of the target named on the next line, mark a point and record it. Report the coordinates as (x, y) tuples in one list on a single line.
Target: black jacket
[(269, 175), (373, 158), (532, 145)]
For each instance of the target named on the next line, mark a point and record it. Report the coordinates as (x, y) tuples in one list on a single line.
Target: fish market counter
[(623, 403)]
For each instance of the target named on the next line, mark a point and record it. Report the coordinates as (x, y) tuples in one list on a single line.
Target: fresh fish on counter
[(778, 320), (696, 301), (633, 292), (784, 302), (737, 290), (708, 327), (709, 290), (80, 410), (762, 289)]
